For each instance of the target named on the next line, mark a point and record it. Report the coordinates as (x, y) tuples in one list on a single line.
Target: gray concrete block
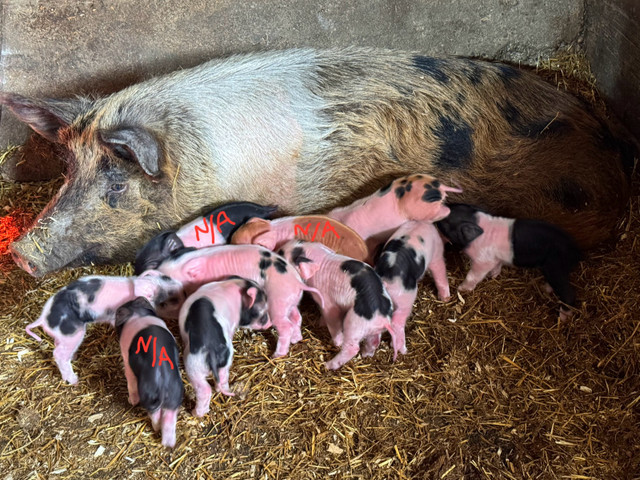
[(612, 43), (62, 47)]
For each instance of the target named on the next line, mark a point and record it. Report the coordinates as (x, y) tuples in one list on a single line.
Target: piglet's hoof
[(134, 400), (200, 412), (71, 379), (565, 314), (168, 441), (465, 288), (227, 392)]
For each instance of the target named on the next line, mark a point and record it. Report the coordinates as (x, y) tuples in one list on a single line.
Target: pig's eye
[(117, 188)]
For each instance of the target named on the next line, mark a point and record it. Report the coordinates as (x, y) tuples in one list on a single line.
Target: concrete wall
[(612, 44), (61, 47)]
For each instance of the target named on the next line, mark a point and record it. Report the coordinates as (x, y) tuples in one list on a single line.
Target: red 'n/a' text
[(209, 226), (163, 352), (297, 229)]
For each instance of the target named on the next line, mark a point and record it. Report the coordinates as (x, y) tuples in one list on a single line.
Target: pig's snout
[(27, 265)]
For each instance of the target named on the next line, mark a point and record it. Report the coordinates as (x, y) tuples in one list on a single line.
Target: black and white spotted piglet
[(412, 250), (95, 299), (208, 320), (491, 242), (150, 355)]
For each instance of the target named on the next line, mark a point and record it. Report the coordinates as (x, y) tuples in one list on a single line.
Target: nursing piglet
[(281, 281), (412, 250), (200, 232), (95, 299), (356, 305), (150, 356), (208, 320), (311, 228), (491, 242), (376, 217)]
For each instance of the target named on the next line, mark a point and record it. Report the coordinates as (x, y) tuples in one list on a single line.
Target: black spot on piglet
[(370, 295), (399, 260)]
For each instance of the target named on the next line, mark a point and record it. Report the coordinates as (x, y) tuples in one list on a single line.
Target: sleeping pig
[(208, 320), (281, 282), (376, 217), (95, 299), (491, 242), (199, 232), (356, 305), (275, 233), (150, 355), (412, 250), (312, 129)]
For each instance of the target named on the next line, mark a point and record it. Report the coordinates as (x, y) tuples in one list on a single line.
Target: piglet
[(356, 305), (376, 217), (412, 250), (95, 299), (312, 228), (491, 242), (200, 232), (281, 282), (208, 320), (150, 355)]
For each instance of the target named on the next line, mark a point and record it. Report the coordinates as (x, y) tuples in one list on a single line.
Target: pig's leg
[(197, 371), (439, 272), (169, 418), (495, 271), (352, 335), (478, 271), (296, 322), (371, 344), (280, 320), (132, 385), (558, 278), (332, 318), (223, 384), (65, 348), (399, 320), (156, 419)]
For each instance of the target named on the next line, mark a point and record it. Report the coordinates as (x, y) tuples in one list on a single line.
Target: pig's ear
[(135, 144), (46, 117), (308, 269), (266, 239), (468, 232), (251, 294), (172, 243)]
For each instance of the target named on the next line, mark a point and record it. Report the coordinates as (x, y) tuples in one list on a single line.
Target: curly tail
[(307, 288)]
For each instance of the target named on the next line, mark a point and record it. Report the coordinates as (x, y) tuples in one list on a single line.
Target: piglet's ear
[(144, 289), (172, 243), (469, 232), (267, 240), (46, 117), (135, 144), (308, 269), (250, 297)]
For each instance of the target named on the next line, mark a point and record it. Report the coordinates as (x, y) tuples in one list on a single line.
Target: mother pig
[(312, 129)]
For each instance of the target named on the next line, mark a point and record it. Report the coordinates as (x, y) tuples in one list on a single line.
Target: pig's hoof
[(337, 340), (278, 354), (169, 441), (465, 288), (565, 315), (71, 379), (444, 299), (227, 392), (548, 288), (367, 353), (331, 365), (134, 400), (403, 350), (200, 412)]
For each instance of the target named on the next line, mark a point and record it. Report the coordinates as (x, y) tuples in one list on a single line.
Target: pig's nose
[(24, 264)]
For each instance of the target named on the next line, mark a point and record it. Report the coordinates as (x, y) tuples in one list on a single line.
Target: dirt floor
[(493, 386)]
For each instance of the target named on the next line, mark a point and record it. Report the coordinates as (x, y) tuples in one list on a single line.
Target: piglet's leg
[(223, 384), (332, 318), (280, 320), (478, 271), (353, 333), (439, 272), (399, 320), (495, 271), (65, 348), (371, 344), (296, 323), (132, 385), (156, 419), (169, 418), (197, 370), (557, 275)]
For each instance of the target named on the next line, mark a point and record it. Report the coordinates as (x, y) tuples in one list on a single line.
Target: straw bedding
[(492, 387)]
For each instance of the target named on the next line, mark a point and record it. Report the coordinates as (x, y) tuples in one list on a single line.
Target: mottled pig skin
[(310, 130), (281, 281), (491, 242), (208, 320), (95, 299), (228, 218), (151, 365), (376, 217), (356, 305), (412, 250), (275, 233)]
